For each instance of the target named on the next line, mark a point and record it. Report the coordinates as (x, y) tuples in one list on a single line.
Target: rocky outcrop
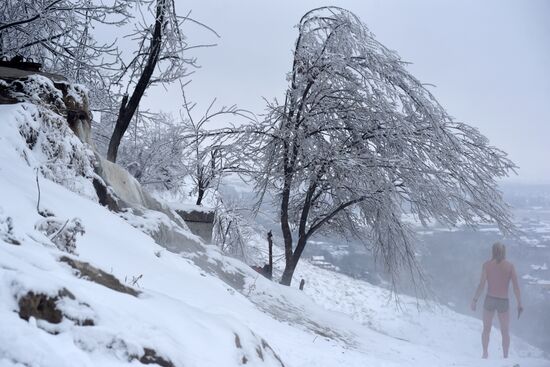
[(93, 274), (73, 103), (39, 306), (46, 307), (150, 356), (114, 186)]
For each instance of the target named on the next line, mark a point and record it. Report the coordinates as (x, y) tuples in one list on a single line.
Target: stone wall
[(200, 222)]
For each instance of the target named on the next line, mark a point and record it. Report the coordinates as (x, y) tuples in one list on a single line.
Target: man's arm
[(517, 293), (480, 287)]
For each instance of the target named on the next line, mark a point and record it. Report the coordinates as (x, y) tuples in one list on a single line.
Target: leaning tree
[(160, 58), (359, 142)]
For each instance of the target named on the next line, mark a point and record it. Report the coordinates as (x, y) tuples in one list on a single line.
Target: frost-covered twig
[(60, 230), (38, 189)]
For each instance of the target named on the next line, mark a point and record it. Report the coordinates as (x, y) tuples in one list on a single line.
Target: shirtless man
[(497, 273)]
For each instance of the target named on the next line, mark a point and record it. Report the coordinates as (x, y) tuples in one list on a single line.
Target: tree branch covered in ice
[(152, 151), (209, 156), (60, 35)]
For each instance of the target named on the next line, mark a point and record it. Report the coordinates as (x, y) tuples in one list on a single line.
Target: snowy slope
[(193, 309)]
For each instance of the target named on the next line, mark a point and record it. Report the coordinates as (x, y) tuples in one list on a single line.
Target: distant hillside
[(527, 195)]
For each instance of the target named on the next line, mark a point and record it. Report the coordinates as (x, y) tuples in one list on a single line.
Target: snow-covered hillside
[(196, 308)]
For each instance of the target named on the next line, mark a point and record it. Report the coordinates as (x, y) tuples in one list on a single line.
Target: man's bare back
[(497, 273), (499, 276)]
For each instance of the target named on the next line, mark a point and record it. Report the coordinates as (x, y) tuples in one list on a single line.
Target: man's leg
[(504, 320), (487, 323)]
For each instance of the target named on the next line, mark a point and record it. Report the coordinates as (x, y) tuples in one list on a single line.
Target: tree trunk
[(270, 248), (200, 195), (288, 273), (302, 241), (270, 244), (290, 267), (120, 128), (128, 106), (287, 235)]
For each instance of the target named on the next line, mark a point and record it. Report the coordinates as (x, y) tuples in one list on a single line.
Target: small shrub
[(62, 233)]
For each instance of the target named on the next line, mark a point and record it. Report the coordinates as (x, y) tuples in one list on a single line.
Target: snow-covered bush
[(62, 233), (233, 232), (6, 231), (49, 143)]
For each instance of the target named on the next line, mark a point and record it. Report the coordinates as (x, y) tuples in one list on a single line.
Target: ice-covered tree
[(208, 156), (160, 58), (359, 141), (60, 35), (153, 151)]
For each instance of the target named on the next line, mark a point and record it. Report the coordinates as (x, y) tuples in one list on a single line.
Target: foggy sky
[(489, 61)]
